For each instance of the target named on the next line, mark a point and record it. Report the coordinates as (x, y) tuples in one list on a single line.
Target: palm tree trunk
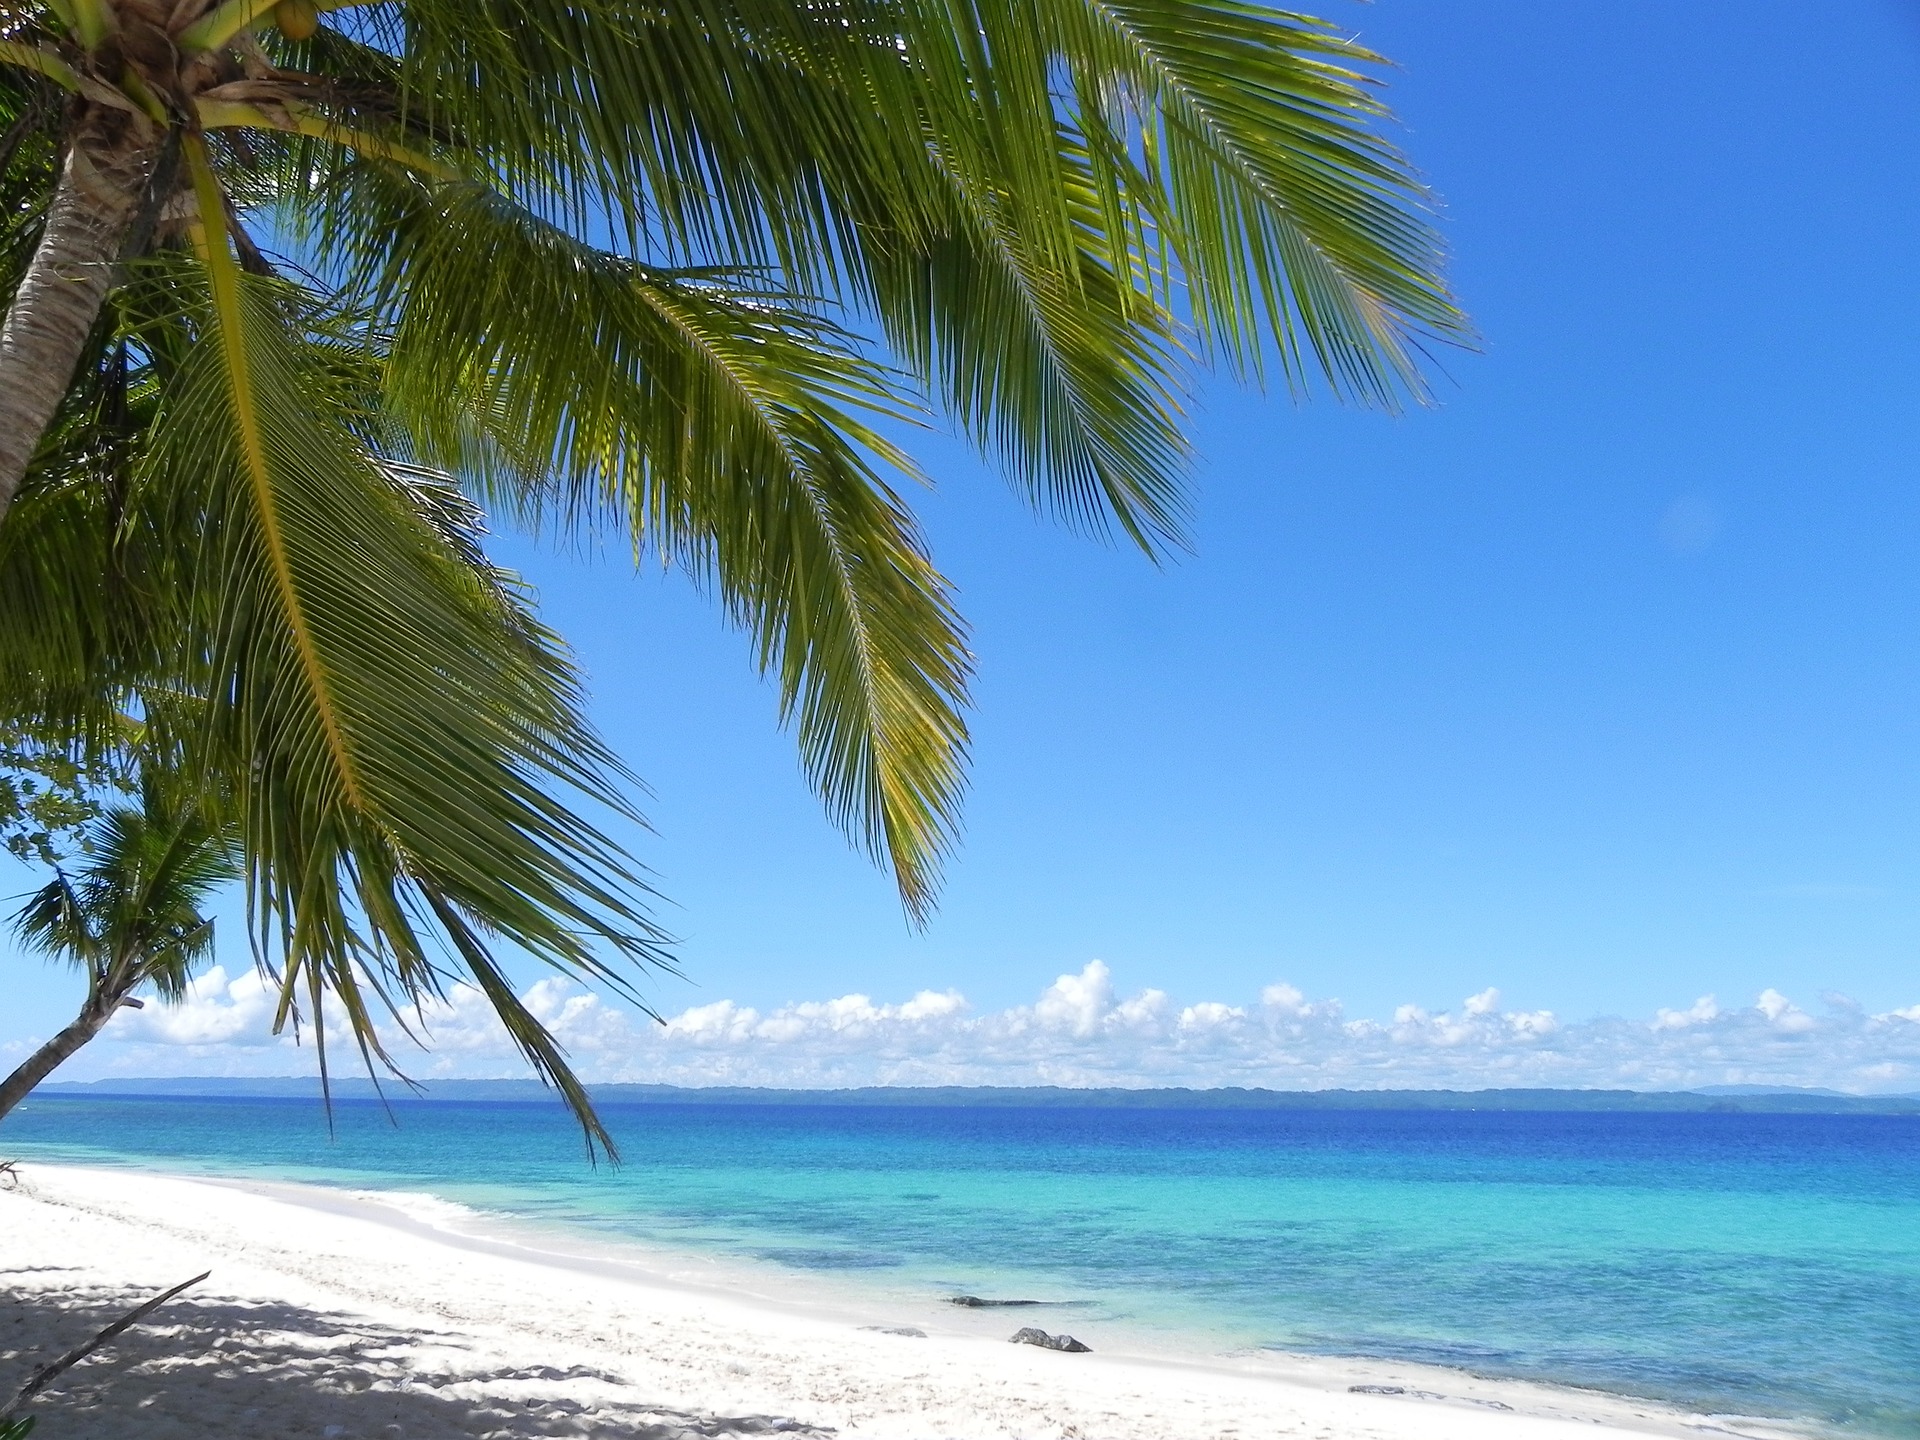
[(42, 1063), (102, 186)]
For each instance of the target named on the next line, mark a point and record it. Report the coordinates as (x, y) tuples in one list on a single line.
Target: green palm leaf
[(1264, 174), (134, 912), (403, 732), (615, 262), (1071, 374), (730, 432)]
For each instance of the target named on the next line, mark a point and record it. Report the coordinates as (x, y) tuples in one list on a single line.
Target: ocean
[(1742, 1264)]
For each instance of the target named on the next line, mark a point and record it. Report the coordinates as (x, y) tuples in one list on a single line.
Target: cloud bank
[(1079, 1031)]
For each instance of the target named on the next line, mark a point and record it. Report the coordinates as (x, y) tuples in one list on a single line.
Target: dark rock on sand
[(1031, 1336), (896, 1330)]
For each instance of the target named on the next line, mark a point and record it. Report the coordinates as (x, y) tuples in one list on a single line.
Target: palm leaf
[(613, 262), (723, 429), (399, 737), (1071, 374), (1256, 149)]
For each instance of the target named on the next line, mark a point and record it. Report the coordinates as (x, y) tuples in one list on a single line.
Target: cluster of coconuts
[(297, 19)]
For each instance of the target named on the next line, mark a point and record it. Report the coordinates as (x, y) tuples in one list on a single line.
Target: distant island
[(1747, 1099)]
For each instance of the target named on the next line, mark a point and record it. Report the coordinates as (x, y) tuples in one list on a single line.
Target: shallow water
[(1748, 1264)]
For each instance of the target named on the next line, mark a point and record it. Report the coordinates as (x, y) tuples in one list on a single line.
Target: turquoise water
[(1750, 1264)]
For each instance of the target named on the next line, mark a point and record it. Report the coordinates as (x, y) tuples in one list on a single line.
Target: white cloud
[(1080, 1002), (1210, 1015), (1285, 998), (1705, 1010), (218, 1011), (1144, 1011), (1080, 1030), (1783, 1013)]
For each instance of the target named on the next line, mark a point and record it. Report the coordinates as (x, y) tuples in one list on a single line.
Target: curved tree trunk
[(100, 194), (42, 1063)]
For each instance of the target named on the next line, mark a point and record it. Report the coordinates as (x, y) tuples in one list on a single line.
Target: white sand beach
[(335, 1314)]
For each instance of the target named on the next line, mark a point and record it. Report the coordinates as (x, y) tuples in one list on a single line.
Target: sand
[(334, 1314)]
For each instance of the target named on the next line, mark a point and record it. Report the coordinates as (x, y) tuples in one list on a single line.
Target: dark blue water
[(1750, 1264)]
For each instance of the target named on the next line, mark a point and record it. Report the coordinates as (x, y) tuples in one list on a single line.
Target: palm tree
[(130, 916), (673, 269)]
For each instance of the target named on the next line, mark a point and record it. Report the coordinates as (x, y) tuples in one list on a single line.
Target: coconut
[(297, 19)]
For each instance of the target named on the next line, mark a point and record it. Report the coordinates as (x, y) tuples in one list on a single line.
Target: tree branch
[(45, 62), (42, 1377), (299, 120)]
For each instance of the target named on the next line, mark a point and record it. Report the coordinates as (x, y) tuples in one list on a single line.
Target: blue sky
[(1595, 683)]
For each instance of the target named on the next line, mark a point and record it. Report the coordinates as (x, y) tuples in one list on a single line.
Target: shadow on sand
[(212, 1368)]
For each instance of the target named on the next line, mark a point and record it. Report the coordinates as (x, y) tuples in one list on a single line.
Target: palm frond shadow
[(228, 1366)]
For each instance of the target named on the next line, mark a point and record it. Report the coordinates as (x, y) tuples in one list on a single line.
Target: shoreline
[(492, 1326)]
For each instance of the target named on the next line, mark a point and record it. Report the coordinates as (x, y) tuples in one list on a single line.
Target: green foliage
[(131, 912), (728, 429), (679, 271), (16, 1429), (47, 798)]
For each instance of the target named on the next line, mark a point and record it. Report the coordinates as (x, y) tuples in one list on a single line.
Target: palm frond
[(395, 734), (1253, 140), (726, 430), (133, 911), (1072, 375), (615, 262)]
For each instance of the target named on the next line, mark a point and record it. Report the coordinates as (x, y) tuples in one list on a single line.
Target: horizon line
[(1750, 1098)]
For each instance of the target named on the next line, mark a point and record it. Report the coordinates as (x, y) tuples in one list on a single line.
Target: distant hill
[(1748, 1099)]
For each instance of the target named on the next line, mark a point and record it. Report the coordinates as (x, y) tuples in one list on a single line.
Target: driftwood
[(47, 1373)]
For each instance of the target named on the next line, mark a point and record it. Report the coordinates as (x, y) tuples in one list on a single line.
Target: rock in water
[(1031, 1336)]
